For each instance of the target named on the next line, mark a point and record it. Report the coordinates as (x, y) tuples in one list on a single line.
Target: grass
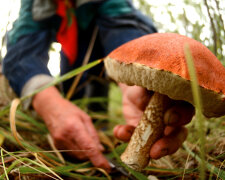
[(201, 157), (200, 121)]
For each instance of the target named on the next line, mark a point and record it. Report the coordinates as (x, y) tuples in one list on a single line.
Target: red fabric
[(67, 33)]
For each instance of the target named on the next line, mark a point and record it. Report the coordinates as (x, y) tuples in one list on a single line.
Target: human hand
[(176, 116), (70, 127)]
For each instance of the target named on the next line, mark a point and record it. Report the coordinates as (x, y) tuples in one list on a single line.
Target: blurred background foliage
[(202, 20)]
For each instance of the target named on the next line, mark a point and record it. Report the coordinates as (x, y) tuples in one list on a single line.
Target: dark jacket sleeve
[(27, 48), (26, 58)]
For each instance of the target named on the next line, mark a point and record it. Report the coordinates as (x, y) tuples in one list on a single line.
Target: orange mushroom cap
[(157, 62)]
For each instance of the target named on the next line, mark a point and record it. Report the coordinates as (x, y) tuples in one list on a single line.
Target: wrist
[(45, 101)]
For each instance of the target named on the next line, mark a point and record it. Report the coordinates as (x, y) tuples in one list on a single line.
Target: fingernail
[(173, 118)]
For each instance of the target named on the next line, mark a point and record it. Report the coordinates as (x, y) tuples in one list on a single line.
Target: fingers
[(91, 130), (72, 129), (131, 115), (86, 143), (123, 132), (74, 150), (135, 99), (179, 114), (137, 96), (82, 145), (170, 143), (67, 143)]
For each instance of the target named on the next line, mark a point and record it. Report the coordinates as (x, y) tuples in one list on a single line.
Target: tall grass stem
[(198, 105), (3, 163)]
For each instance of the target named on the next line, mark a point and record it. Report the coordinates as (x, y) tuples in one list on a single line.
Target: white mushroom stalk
[(148, 131)]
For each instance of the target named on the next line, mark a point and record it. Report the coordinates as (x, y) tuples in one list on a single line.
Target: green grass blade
[(4, 110), (30, 146), (56, 81), (22, 160), (83, 102), (9, 169), (221, 156), (31, 120), (194, 80), (28, 170), (64, 77), (39, 169), (216, 171), (79, 176), (3, 163), (198, 105), (46, 167), (172, 171)]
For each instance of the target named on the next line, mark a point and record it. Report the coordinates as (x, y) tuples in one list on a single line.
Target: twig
[(86, 59)]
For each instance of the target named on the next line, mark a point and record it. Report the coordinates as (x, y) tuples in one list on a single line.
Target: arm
[(25, 66), (27, 59), (62, 118)]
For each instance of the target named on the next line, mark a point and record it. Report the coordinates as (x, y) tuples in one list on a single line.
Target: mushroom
[(157, 63)]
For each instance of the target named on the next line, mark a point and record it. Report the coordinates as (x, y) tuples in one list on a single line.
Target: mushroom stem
[(148, 131)]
